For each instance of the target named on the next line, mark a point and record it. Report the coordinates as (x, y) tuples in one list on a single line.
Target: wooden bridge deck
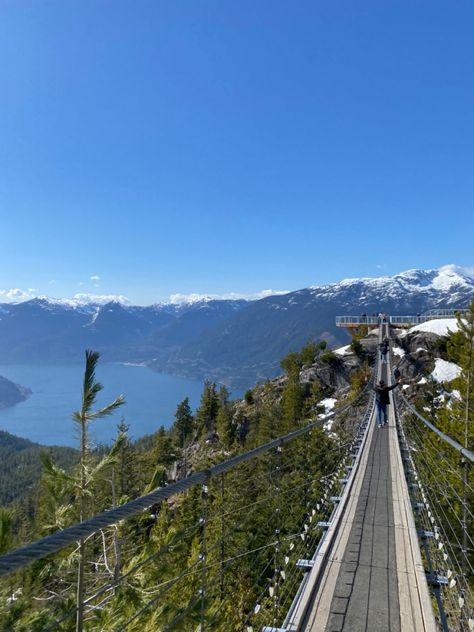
[(373, 580)]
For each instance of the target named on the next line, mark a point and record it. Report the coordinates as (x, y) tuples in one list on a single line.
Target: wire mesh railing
[(440, 476), (219, 550)]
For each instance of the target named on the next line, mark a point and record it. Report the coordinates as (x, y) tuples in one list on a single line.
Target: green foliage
[(224, 426), (6, 531), (164, 452), (292, 402), (183, 427), (206, 414), (357, 348), (296, 360), (291, 362), (249, 399), (241, 510), (20, 469), (360, 332), (440, 467), (329, 357), (308, 353), (359, 379)]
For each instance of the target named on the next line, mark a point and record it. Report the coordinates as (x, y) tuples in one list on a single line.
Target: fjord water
[(45, 417)]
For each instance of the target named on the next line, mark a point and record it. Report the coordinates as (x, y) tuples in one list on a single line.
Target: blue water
[(45, 417)]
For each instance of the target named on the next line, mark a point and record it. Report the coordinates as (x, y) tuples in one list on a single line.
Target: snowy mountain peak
[(449, 283), (80, 300)]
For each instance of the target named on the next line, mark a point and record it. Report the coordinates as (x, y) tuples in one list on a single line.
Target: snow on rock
[(405, 386), (423, 380), (421, 350), (439, 326), (445, 371), (398, 351), (328, 403), (343, 350)]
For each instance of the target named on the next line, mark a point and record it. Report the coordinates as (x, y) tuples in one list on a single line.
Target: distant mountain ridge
[(235, 341)]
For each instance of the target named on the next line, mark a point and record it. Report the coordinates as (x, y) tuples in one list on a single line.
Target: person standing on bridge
[(383, 347), (383, 400)]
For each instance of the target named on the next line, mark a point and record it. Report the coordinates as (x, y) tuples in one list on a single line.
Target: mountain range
[(234, 341)]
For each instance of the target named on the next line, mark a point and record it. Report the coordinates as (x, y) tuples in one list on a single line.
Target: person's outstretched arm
[(390, 388)]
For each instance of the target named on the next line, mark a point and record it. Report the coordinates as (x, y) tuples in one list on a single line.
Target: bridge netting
[(224, 549), (229, 547), (440, 471)]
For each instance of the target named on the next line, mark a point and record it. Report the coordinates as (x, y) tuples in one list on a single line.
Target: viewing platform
[(355, 323)]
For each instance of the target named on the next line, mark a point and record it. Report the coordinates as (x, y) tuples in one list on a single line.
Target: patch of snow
[(455, 394), (445, 371), (343, 350), (189, 299), (423, 380), (398, 351), (405, 386), (328, 403), (438, 326), (422, 350)]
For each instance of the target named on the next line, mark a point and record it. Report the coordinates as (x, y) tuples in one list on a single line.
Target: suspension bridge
[(363, 529)]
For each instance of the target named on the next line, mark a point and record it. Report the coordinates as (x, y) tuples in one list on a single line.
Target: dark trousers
[(381, 414)]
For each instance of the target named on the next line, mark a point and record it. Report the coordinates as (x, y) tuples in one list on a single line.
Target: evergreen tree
[(83, 418), (224, 418), (312, 400), (291, 362), (460, 347), (126, 466), (206, 414), (183, 427), (6, 533), (309, 352), (292, 402), (163, 454)]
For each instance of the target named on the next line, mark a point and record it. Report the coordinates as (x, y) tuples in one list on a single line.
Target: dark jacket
[(381, 393), (383, 346)]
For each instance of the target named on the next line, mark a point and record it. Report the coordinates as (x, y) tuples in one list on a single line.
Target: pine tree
[(83, 418), (163, 454), (292, 402), (125, 468), (6, 532), (208, 408), (224, 418), (460, 347), (183, 427)]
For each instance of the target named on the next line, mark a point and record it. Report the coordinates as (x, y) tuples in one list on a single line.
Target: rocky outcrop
[(414, 353)]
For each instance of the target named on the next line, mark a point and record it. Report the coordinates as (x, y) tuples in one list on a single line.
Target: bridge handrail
[(443, 312), (357, 320), (452, 442), (59, 540)]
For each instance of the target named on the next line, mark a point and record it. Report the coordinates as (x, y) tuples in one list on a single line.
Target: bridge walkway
[(373, 578)]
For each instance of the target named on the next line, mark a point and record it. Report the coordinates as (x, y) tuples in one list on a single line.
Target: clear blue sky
[(215, 146)]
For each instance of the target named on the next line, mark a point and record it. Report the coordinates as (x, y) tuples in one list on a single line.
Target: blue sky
[(221, 146)]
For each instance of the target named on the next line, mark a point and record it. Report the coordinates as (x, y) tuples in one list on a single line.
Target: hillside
[(11, 393), (20, 466), (248, 346), (234, 341), (314, 381)]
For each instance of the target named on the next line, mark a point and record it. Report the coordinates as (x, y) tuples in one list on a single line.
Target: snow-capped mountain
[(250, 345), (444, 286), (232, 340)]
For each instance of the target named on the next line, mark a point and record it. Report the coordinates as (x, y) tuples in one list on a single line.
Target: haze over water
[(45, 417)]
